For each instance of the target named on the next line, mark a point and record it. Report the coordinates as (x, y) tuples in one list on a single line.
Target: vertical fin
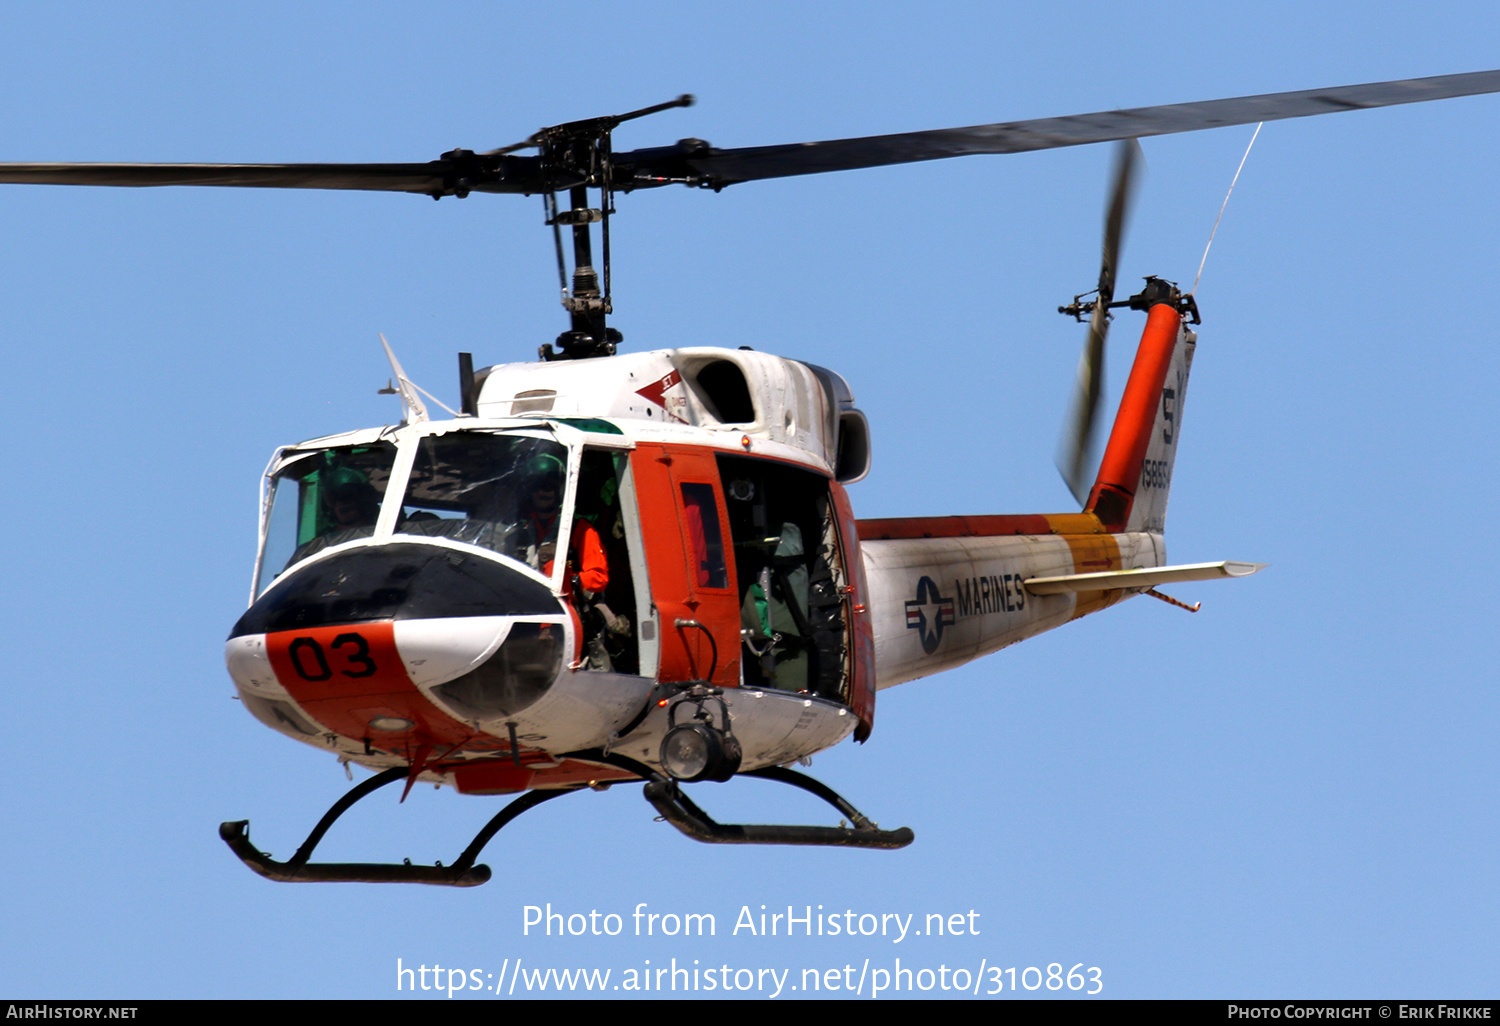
[(1149, 511), (1130, 493)]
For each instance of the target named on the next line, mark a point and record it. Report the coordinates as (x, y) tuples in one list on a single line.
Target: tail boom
[(942, 594), (946, 590)]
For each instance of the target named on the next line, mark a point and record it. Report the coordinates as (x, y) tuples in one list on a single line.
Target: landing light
[(698, 750)]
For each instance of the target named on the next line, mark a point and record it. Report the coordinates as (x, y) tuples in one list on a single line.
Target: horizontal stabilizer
[(1149, 577)]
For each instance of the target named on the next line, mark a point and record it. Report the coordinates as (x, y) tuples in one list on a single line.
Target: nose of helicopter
[(399, 581), (365, 640)]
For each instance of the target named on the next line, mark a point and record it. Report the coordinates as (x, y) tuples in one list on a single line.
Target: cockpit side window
[(323, 498), (501, 492)]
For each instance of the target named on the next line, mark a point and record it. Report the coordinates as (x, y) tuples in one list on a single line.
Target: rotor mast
[(581, 150)]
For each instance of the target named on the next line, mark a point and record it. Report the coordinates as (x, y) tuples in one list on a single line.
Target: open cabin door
[(794, 583), (765, 556), (606, 534)]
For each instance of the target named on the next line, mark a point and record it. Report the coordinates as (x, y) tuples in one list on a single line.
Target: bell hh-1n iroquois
[(645, 567)]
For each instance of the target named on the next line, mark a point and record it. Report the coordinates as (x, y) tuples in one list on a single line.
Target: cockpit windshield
[(485, 489), (323, 498), (503, 492)]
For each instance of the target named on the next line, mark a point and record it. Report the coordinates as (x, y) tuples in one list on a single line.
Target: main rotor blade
[(725, 167), (383, 177), (693, 162), (456, 173)]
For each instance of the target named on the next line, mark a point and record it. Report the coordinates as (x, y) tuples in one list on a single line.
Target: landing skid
[(661, 791), (297, 869), (684, 814)]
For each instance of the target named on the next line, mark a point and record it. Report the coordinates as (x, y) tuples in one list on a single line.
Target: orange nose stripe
[(351, 679)]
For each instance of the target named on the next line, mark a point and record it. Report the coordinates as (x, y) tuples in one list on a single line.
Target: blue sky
[(1291, 793)]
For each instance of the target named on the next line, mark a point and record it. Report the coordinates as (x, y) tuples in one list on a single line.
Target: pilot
[(541, 505), (349, 500)]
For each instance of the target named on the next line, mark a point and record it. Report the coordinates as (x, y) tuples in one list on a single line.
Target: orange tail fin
[(1135, 475)]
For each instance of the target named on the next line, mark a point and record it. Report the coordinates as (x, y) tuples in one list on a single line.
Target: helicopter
[(718, 610)]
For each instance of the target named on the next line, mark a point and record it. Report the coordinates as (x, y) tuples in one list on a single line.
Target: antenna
[(413, 411), (468, 398), (1194, 290)]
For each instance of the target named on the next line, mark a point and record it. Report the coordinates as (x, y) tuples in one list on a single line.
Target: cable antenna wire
[(1194, 291)]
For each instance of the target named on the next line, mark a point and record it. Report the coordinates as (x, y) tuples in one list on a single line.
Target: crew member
[(541, 508), (349, 500)]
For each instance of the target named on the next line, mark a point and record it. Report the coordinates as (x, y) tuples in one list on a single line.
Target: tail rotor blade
[(1121, 195), (1077, 455)]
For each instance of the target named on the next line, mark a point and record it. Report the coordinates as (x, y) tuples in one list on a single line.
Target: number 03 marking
[(312, 665)]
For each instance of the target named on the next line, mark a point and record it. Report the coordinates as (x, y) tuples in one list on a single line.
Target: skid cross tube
[(297, 869)]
